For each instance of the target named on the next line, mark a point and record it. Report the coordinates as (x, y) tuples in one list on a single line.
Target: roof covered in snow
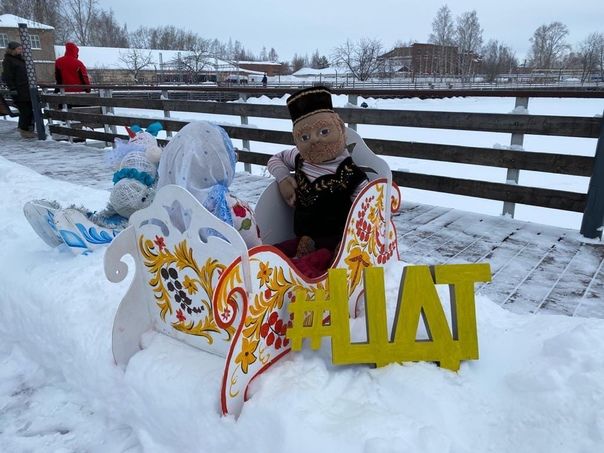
[(330, 71), (12, 21), (111, 58), (265, 63)]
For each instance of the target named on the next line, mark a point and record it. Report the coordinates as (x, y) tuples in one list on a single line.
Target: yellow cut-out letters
[(323, 317)]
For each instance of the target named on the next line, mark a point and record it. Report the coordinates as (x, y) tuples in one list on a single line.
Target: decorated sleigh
[(201, 285)]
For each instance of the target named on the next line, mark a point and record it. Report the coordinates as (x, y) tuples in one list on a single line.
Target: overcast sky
[(303, 26)]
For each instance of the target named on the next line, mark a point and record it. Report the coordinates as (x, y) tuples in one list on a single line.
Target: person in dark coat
[(69, 70), (14, 75)]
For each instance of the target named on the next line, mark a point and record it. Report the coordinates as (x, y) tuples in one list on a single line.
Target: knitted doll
[(201, 158), (135, 163), (134, 180), (324, 183)]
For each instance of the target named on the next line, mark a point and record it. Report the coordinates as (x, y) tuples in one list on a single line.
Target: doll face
[(320, 137)]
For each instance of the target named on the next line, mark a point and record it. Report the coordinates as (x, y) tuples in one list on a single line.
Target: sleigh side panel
[(369, 237), (182, 250), (260, 340)]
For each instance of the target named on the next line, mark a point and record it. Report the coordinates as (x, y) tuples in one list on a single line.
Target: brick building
[(42, 43), (420, 58), (267, 67)]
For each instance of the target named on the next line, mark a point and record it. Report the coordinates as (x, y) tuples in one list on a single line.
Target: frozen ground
[(538, 386)]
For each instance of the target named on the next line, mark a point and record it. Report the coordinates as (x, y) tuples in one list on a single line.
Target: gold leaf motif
[(157, 258)]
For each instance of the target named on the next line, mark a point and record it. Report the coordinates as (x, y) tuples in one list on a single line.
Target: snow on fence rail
[(591, 204)]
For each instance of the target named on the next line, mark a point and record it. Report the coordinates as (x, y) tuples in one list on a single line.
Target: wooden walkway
[(536, 268)]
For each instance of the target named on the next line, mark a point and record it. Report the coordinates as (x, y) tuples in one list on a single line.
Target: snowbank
[(539, 385)]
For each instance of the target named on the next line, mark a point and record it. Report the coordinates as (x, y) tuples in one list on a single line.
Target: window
[(3, 40), (35, 41)]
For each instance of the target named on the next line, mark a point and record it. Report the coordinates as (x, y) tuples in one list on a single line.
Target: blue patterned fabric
[(216, 201), (217, 204), (228, 144)]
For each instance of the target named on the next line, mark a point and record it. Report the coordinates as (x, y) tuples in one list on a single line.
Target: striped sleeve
[(281, 164)]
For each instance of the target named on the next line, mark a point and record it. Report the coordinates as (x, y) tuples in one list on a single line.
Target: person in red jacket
[(71, 71)]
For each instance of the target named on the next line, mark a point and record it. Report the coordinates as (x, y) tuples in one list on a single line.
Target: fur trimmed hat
[(308, 101)]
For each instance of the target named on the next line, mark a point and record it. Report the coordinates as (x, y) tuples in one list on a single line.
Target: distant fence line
[(99, 113)]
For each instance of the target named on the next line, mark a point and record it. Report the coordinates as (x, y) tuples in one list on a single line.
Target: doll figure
[(135, 165), (324, 183), (201, 158)]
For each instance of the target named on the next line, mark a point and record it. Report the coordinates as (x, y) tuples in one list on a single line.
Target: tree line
[(87, 24), (549, 49)]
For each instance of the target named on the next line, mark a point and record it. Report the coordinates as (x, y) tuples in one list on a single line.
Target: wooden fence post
[(47, 107), (65, 109), (352, 99), (512, 175), (165, 96), (246, 143), (108, 93), (593, 217)]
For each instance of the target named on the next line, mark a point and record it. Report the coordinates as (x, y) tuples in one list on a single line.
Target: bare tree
[(601, 59), (443, 34), (163, 38), (400, 43), (299, 62), (217, 49), (135, 60), (272, 55), (107, 32), (548, 45), (497, 58), (468, 37), (140, 38), (285, 67), (79, 15), (196, 59), (360, 57), (591, 53), (318, 61), (443, 30), (241, 54)]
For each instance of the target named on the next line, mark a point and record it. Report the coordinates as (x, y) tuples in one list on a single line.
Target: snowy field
[(538, 386), (537, 106)]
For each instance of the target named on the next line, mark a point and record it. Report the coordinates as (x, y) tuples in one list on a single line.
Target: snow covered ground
[(538, 386)]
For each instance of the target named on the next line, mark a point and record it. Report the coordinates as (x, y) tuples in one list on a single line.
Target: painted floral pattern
[(244, 221), (261, 339), (183, 289)]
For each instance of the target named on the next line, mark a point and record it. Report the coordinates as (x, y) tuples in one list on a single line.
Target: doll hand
[(287, 187), (306, 245)]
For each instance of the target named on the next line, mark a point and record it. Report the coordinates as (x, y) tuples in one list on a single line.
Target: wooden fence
[(101, 106)]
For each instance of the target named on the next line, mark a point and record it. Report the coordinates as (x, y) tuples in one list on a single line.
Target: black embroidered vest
[(322, 205)]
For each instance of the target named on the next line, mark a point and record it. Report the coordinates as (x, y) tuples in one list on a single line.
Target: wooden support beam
[(593, 217)]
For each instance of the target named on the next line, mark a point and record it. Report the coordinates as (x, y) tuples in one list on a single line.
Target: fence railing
[(591, 204)]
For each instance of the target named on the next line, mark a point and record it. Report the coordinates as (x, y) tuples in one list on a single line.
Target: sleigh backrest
[(180, 251), (275, 218)]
